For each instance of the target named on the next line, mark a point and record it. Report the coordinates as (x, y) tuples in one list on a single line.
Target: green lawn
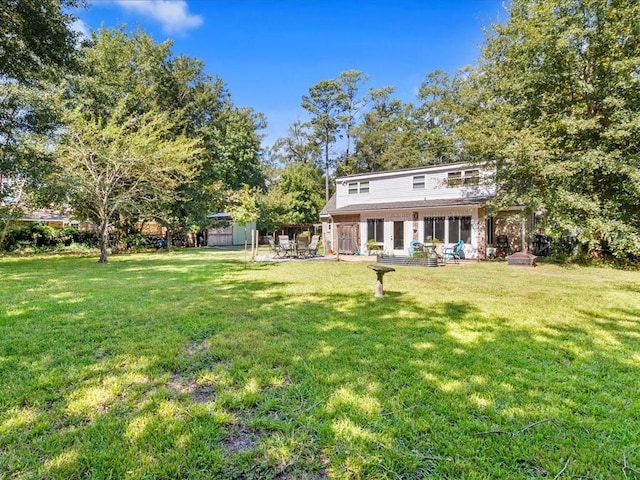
[(197, 364)]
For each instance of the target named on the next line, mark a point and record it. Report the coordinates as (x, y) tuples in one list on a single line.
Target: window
[(358, 187), (472, 177), (490, 230), (459, 229), (418, 182), (454, 179), (375, 229), (433, 229)]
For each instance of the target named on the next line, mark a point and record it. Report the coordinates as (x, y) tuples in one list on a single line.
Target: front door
[(398, 235)]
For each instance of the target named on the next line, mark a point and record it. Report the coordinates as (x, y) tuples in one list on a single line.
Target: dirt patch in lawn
[(199, 393)]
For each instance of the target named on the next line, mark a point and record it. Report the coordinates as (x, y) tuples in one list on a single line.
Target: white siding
[(398, 187)]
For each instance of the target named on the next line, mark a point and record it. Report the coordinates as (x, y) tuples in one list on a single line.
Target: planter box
[(412, 261), (522, 259)]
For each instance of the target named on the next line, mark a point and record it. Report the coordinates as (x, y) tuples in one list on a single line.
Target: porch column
[(482, 234)]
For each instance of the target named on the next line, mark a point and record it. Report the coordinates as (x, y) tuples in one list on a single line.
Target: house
[(55, 218), (434, 204)]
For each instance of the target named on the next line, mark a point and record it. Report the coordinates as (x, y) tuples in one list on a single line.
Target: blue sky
[(269, 52)]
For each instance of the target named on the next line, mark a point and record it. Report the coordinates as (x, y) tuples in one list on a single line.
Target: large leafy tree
[(299, 145), (301, 183), (141, 76), (35, 36), (37, 43), (391, 136), (560, 105), (439, 114), (121, 164), (28, 121), (235, 148)]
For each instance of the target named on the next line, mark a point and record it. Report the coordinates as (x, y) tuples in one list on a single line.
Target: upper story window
[(468, 177), (418, 182), (358, 187), (454, 179), (472, 177)]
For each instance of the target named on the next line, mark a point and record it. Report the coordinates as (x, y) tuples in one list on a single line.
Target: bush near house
[(43, 237)]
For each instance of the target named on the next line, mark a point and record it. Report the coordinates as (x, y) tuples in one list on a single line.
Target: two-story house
[(442, 203)]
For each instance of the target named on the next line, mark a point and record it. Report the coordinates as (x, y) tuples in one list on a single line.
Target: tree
[(325, 103), (302, 185), (107, 166), (235, 146), (439, 115), (390, 136), (28, 122), (34, 36), (298, 146), (36, 42), (273, 206), (142, 76), (560, 83), (294, 193), (353, 103), (244, 209)]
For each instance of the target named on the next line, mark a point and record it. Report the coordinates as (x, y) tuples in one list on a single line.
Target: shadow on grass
[(218, 369)]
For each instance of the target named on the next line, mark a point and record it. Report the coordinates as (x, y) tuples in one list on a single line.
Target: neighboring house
[(64, 219), (442, 203), (55, 218)]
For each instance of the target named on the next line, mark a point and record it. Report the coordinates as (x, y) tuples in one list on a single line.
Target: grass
[(196, 364)]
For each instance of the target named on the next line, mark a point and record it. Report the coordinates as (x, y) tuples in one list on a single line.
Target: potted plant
[(373, 247)]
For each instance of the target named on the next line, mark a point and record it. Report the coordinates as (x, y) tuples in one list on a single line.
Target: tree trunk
[(326, 171), (104, 240)]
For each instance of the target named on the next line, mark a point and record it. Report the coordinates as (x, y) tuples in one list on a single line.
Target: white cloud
[(173, 15), (81, 28)]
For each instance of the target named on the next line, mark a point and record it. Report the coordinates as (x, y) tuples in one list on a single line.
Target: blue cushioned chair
[(415, 246), (453, 252)]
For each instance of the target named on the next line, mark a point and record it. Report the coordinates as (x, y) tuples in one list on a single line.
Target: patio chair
[(502, 246), (302, 245), (415, 247), (275, 249), (312, 250), (285, 244), (453, 252)]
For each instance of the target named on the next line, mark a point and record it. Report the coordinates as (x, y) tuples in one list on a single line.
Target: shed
[(227, 232)]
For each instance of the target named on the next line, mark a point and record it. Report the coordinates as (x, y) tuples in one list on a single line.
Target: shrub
[(34, 236)]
